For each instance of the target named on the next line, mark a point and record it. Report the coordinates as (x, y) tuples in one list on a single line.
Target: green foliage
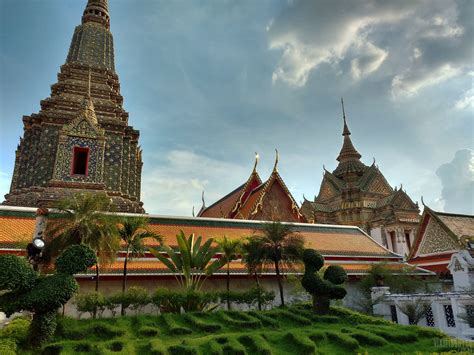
[(147, 334), (135, 298), (16, 330), (256, 295), (75, 259), (41, 295), (355, 318), (399, 281), (302, 343), (16, 274), (190, 301), (415, 309), (8, 347), (42, 328), (192, 262), (90, 302), (322, 289), (281, 248), (342, 339)]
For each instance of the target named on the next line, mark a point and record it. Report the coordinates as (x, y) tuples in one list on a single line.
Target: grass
[(274, 332)]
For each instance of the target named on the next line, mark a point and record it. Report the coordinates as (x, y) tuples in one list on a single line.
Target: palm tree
[(282, 248), (253, 257), (230, 249), (133, 231), (191, 263), (83, 219)]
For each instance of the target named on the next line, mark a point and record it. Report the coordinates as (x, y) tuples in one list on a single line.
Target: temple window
[(393, 239), (407, 239), (80, 160)]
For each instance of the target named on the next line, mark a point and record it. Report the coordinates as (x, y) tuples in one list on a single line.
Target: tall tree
[(133, 231), (282, 248), (230, 249), (253, 257), (83, 218)]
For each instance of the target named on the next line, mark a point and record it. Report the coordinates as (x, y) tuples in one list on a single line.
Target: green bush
[(191, 301), (322, 289), (136, 298), (249, 298), (8, 347), (16, 330), (75, 259), (41, 295), (91, 302), (16, 273)]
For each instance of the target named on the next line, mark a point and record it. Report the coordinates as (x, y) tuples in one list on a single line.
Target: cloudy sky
[(208, 83)]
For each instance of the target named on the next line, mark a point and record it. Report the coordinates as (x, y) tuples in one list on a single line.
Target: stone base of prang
[(46, 197)]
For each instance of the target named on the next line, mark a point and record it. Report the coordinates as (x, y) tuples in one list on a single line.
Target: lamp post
[(35, 248)]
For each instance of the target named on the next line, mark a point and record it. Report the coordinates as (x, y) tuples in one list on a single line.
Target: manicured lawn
[(280, 331)]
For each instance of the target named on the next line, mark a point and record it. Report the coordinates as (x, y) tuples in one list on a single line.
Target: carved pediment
[(403, 202), (83, 127), (436, 240), (327, 191), (380, 186)]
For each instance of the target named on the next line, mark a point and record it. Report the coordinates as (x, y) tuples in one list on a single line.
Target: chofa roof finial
[(275, 169), (256, 162), (202, 198)]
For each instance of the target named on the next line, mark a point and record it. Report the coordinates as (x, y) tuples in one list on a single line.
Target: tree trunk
[(124, 283), (94, 315), (228, 286), (280, 286), (321, 304), (259, 302), (97, 277)]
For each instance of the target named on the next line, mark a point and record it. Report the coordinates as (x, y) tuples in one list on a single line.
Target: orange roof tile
[(329, 240), (16, 231), (151, 266)]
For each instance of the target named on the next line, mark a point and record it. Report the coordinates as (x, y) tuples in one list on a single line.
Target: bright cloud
[(457, 178), (174, 186), (466, 102), (419, 43)]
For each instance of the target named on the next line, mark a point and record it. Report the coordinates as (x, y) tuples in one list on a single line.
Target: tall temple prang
[(80, 140), (357, 194)]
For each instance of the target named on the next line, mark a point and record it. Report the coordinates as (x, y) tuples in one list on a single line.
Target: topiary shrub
[(322, 289), (41, 295)]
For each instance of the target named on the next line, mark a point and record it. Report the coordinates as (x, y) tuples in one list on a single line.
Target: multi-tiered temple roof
[(80, 140), (357, 194)]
